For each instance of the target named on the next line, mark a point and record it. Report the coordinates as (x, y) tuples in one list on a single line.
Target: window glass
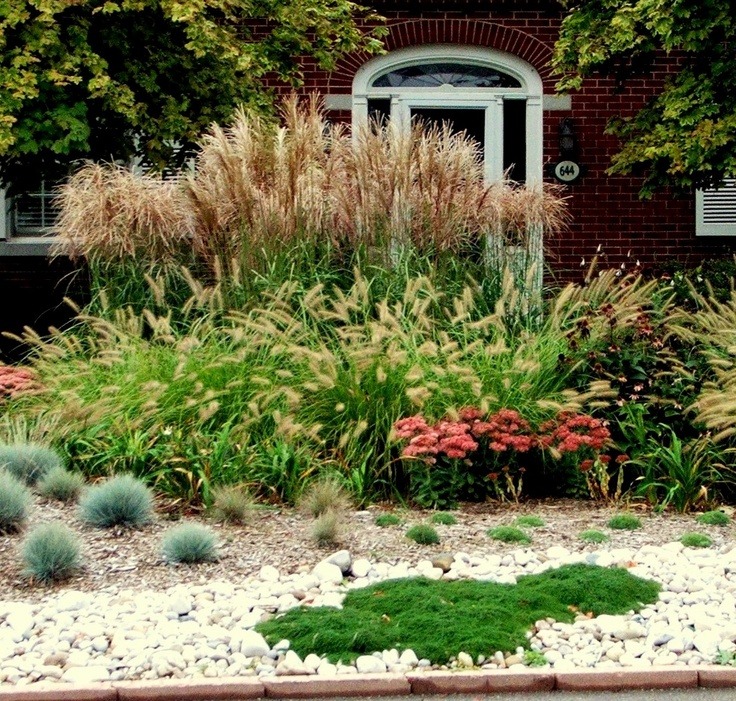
[(514, 139), (434, 75), (379, 110), (33, 212)]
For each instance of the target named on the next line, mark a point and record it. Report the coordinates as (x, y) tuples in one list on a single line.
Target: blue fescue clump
[(15, 501), (28, 462), (51, 553), (189, 543), (121, 501)]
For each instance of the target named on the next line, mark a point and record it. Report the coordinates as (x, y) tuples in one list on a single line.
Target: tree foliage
[(686, 135), (113, 78)]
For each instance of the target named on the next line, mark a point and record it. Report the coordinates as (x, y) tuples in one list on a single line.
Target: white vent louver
[(715, 210), (34, 213)]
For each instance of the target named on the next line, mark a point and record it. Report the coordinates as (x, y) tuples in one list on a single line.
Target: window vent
[(33, 213), (715, 210)]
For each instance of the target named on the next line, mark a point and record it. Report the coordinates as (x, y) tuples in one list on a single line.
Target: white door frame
[(490, 99)]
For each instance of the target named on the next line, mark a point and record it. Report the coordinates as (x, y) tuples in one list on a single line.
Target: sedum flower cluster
[(503, 431)]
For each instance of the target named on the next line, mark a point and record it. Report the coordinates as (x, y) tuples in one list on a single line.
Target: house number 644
[(567, 171)]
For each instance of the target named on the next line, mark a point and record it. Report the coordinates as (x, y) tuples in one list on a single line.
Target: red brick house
[(485, 66), (515, 38)]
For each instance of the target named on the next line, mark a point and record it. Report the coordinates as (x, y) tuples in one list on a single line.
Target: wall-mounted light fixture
[(568, 141)]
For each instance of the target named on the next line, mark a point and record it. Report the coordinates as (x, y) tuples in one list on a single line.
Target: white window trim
[(490, 99)]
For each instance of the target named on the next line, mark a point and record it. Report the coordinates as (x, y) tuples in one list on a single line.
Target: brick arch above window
[(466, 32)]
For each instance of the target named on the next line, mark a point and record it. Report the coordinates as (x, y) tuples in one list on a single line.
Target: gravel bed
[(128, 615)]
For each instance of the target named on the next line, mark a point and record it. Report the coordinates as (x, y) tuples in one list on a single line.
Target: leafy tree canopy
[(114, 78), (687, 134)]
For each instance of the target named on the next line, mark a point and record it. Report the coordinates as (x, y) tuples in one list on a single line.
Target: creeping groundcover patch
[(438, 619)]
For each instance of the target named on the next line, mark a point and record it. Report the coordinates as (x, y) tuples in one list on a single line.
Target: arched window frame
[(490, 99)]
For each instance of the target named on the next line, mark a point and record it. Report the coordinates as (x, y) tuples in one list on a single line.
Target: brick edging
[(432, 682)]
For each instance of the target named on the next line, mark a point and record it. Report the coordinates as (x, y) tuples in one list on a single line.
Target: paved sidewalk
[(656, 695)]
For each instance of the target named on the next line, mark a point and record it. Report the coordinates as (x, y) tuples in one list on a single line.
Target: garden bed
[(128, 615), (280, 537)]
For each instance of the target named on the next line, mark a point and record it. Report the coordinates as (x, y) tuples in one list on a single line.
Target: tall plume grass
[(260, 187), (110, 212), (713, 328), (326, 372)]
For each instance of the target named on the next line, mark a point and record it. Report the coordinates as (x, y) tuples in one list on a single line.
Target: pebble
[(361, 568), (85, 675), (253, 644), (207, 630), (443, 561), (367, 664), (327, 573), (292, 664), (341, 559)]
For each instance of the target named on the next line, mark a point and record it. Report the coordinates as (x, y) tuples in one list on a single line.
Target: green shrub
[(28, 462), (232, 504), (15, 501), (120, 501), (189, 543), (385, 520), (681, 473), (51, 553), (326, 528), (324, 494), (624, 522), (696, 540), (529, 521), (509, 534), (60, 484), (423, 534), (713, 518), (593, 536), (444, 519)]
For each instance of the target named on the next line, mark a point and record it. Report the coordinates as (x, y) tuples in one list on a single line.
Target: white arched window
[(493, 96)]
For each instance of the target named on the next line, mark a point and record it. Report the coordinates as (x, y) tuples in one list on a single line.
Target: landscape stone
[(328, 573), (443, 561), (291, 664), (253, 644), (367, 664), (206, 629), (85, 675), (361, 567), (343, 559)]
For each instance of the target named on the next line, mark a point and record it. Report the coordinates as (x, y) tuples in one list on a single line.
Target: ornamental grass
[(260, 186), (308, 380)]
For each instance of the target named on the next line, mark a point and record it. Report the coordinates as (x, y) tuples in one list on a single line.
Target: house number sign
[(567, 171)]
